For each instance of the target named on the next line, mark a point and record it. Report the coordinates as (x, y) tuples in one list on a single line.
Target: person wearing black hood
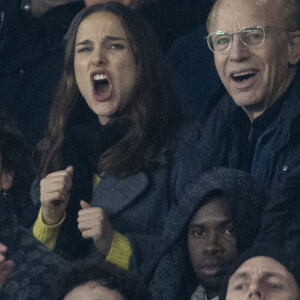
[(262, 272), (217, 219)]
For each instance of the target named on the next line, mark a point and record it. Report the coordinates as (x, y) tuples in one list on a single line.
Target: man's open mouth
[(243, 76)]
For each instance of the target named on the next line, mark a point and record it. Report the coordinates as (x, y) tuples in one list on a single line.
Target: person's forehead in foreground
[(262, 277)]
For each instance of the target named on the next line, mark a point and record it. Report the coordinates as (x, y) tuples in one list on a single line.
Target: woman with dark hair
[(118, 147)]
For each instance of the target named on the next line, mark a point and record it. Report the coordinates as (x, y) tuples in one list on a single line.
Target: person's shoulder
[(35, 267), (35, 251), (187, 135)]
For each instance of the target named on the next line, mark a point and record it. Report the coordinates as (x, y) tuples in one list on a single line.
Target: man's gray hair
[(290, 11)]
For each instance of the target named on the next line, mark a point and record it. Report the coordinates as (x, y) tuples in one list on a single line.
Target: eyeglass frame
[(231, 34)]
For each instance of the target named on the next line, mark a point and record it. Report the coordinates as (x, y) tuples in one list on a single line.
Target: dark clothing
[(31, 61), (194, 75), (171, 19), (249, 133), (35, 266), (275, 159), (137, 205), (173, 277)]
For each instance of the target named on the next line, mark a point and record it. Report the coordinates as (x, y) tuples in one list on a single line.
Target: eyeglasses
[(220, 42)]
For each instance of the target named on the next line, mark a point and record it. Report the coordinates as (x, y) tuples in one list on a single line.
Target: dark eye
[(115, 46), (252, 36), (222, 40), (84, 49), (229, 231), (256, 36), (239, 287), (198, 233), (274, 286)]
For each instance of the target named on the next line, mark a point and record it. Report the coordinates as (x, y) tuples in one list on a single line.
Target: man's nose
[(213, 244), (255, 292), (238, 51)]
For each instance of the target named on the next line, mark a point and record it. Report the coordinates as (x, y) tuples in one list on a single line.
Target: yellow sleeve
[(44, 233), (120, 251)]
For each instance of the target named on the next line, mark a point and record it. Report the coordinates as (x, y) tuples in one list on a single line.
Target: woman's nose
[(99, 57)]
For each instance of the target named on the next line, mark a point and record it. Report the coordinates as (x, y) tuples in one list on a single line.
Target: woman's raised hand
[(6, 266), (55, 195), (93, 223)]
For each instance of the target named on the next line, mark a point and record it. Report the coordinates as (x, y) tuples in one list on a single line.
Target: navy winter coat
[(137, 205), (276, 161)]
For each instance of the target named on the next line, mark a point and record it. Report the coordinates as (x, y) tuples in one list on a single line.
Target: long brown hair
[(152, 113)]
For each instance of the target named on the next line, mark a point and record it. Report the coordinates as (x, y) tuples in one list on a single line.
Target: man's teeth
[(243, 75), (246, 73), (100, 77)]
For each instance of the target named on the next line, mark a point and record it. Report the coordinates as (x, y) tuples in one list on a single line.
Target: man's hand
[(6, 266), (93, 223), (55, 195)]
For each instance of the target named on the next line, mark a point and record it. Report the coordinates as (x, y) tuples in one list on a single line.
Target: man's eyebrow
[(266, 275), (274, 275), (240, 275), (200, 224)]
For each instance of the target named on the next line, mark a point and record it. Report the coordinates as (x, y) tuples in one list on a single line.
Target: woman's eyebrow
[(114, 38), (107, 38), (85, 42)]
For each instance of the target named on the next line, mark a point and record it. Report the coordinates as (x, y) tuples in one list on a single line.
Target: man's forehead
[(243, 13), (217, 209), (263, 264)]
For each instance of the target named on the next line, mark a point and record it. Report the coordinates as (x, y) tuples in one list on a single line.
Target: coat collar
[(116, 194)]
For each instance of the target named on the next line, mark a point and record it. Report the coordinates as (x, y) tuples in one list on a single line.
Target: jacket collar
[(116, 194)]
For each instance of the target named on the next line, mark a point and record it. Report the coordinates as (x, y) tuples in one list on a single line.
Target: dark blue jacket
[(31, 60), (137, 205), (276, 160)]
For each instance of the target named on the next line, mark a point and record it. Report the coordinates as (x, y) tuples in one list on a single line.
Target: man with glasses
[(255, 126)]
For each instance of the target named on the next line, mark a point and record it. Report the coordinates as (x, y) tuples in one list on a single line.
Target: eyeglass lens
[(221, 41)]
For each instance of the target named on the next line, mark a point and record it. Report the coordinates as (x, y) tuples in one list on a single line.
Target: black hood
[(245, 197)]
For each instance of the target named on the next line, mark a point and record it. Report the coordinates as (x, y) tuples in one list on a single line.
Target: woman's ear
[(294, 48), (7, 179)]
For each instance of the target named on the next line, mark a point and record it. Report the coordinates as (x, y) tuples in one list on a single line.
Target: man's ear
[(294, 48), (7, 179)]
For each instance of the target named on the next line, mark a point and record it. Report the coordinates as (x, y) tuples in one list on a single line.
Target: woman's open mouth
[(102, 87)]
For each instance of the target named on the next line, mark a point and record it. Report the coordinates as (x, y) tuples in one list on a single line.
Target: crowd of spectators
[(150, 149)]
